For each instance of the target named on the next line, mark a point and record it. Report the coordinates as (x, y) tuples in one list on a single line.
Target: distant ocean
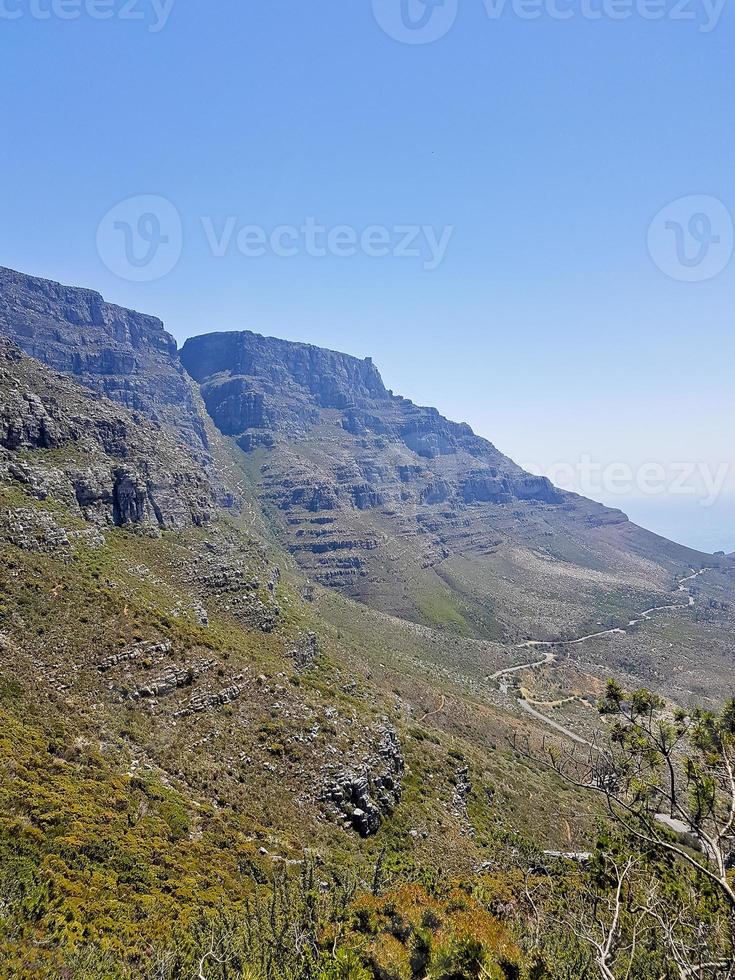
[(684, 520)]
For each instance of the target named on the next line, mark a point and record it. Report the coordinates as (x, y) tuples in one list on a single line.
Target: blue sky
[(544, 148)]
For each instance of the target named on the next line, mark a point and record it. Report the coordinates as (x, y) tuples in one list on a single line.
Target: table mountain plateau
[(387, 502)]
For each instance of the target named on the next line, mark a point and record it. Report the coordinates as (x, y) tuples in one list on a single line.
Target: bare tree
[(211, 953), (689, 941), (598, 921)]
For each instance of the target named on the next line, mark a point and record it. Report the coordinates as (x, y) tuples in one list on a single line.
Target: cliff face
[(374, 495), (255, 386), (126, 356), (108, 465), (387, 501), (332, 379), (259, 389)]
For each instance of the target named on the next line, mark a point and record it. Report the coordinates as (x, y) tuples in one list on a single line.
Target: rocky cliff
[(111, 466), (395, 505), (385, 500), (257, 388), (127, 356), (357, 474)]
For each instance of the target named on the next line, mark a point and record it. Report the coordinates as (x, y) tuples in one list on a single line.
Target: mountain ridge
[(384, 500), (204, 704)]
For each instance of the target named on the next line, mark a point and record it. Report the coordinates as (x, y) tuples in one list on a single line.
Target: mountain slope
[(201, 739), (178, 726), (396, 506)]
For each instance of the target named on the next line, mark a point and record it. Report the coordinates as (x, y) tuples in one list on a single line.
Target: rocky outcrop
[(225, 574), (33, 530), (462, 789), (206, 702), (305, 652), (173, 678), (124, 355), (498, 488), (109, 466), (147, 650), (361, 797)]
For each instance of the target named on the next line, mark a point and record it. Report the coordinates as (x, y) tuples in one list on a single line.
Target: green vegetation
[(442, 609), (107, 872), (177, 707)]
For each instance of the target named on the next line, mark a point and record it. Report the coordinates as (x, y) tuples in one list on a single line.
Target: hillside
[(265, 630), (415, 515)]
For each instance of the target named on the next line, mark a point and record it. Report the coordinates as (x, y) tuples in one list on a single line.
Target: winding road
[(552, 647)]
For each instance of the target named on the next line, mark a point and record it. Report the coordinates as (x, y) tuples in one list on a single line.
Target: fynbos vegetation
[(218, 764)]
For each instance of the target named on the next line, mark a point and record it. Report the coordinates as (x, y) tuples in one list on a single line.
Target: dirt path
[(436, 711), (553, 647), (552, 724), (548, 659)]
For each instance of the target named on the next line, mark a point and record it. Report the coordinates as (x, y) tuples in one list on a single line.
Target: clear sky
[(528, 145)]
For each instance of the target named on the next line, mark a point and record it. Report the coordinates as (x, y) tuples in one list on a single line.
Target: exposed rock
[(43, 482), (33, 530), (174, 678), (150, 649), (205, 702), (227, 575), (126, 356), (117, 468), (304, 655), (200, 613), (89, 537), (462, 790), (243, 371), (579, 857), (362, 796)]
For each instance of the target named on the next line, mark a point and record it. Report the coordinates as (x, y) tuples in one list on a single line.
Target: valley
[(259, 615)]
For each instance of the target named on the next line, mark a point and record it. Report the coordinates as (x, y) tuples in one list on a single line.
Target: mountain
[(265, 631), (127, 356), (106, 464), (413, 514), (383, 501)]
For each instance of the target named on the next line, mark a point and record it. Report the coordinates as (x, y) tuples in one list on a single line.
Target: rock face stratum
[(259, 389), (389, 501), (112, 466)]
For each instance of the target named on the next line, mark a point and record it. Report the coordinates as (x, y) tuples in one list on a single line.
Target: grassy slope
[(122, 824)]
